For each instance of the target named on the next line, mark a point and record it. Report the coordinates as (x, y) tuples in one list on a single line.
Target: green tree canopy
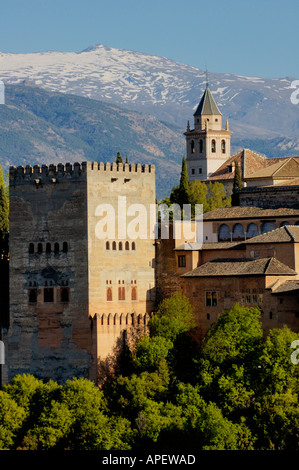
[(173, 317)]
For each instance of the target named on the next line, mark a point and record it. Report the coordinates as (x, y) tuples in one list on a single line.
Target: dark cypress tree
[(184, 184), (237, 185), (119, 158)]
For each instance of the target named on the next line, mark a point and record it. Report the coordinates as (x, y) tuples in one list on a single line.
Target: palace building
[(77, 297)]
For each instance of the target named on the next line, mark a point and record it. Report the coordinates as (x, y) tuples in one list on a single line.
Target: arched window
[(268, 227), (223, 146), (120, 246), (252, 230), (224, 233), (133, 246), (213, 145), (109, 294), (65, 247), (31, 248), (134, 293), (127, 245), (114, 246), (56, 247), (200, 146), (238, 232), (192, 146), (48, 248), (40, 248), (107, 246)]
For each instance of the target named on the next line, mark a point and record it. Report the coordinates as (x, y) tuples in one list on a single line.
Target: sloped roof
[(287, 168), (250, 163), (207, 104), (244, 267), (213, 246), (287, 287), (247, 212), (287, 233)]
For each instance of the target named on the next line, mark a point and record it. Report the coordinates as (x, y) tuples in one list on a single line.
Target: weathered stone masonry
[(63, 320)]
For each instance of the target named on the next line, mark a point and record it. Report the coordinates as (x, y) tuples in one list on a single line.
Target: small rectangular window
[(32, 296), (48, 294), (182, 261), (211, 299), (121, 293)]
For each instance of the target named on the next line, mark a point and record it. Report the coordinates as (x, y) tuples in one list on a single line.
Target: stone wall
[(60, 269), (270, 197)]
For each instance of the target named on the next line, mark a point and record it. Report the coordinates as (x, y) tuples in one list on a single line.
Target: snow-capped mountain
[(256, 107)]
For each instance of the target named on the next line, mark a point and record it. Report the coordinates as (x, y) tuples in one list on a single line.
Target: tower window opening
[(40, 248), (200, 146), (65, 247), (109, 294), (48, 248), (134, 293), (192, 146), (56, 247), (64, 295), (114, 246), (223, 146), (213, 146), (133, 246), (107, 246), (127, 245), (48, 294), (121, 293), (32, 296), (31, 248)]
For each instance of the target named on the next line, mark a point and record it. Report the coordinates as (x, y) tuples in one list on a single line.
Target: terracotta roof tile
[(288, 233), (247, 212), (249, 162), (286, 168), (289, 287), (245, 267)]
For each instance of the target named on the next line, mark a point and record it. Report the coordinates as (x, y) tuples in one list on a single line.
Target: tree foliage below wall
[(234, 390)]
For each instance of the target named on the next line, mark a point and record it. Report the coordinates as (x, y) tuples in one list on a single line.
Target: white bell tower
[(208, 145)]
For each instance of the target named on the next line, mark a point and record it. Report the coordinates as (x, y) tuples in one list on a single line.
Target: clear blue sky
[(254, 37)]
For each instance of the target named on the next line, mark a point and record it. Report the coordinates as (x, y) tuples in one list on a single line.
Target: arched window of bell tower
[(192, 146), (213, 146), (200, 146), (223, 150)]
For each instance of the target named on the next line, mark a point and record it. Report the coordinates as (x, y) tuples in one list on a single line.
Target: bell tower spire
[(208, 145)]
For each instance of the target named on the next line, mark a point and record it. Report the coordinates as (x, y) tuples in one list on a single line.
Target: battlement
[(122, 319), (54, 173)]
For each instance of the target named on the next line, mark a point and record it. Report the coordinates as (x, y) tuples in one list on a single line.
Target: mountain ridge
[(143, 94), (157, 85)]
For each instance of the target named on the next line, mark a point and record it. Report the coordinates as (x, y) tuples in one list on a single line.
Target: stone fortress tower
[(207, 145), (74, 294)]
